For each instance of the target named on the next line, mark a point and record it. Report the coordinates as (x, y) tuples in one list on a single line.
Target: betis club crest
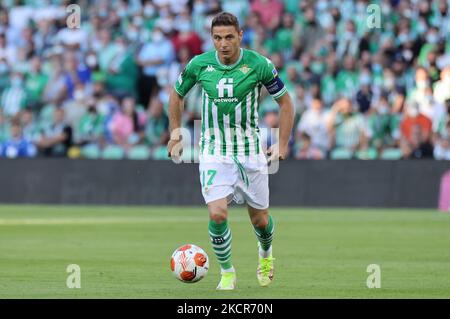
[(244, 69)]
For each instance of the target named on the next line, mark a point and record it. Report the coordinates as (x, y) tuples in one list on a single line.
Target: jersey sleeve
[(271, 80), (187, 79)]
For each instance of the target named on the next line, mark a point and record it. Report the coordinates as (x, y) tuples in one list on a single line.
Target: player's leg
[(263, 225), (256, 194), (220, 235), (217, 179)]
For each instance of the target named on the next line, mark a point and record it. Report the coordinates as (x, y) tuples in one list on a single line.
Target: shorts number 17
[(211, 174)]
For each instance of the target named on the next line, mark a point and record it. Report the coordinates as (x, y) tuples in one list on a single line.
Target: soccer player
[(232, 163)]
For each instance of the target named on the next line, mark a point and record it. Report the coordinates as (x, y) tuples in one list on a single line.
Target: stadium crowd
[(101, 90)]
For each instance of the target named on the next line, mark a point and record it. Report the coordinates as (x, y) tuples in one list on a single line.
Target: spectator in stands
[(35, 83), (105, 49), (440, 130), (186, 37), (155, 54), (365, 94), (383, 124), (309, 31), (307, 150), (442, 148), (5, 26), (56, 139), (30, 127), (7, 52), (347, 80), (418, 146), (55, 90), (156, 132), (260, 41), (4, 127), (75, 109), (183, 57), (414, 121), (17, 145), (314, 124), (442, 87), (252, 22), (269, 127), (422, 84), (43, 37), (14, 97), (347, 128), (270, 12), (127, 124), (328, 89), (4, 74), (431, 108), (301, 102), (348, 43), (122, 71), (416, 133), (284, 36), (89, 129), (74, 73)]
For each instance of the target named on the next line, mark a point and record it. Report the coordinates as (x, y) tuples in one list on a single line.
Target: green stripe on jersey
[(233, 130), (203, 122), (211, 135), (223, 147)]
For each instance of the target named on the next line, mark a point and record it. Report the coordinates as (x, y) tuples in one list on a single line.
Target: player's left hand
[(277, 153), (174, 149)]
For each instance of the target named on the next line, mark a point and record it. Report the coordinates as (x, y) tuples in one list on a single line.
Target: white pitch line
[(106, 220)]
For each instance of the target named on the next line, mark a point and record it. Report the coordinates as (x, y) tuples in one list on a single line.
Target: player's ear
[(241, 34)]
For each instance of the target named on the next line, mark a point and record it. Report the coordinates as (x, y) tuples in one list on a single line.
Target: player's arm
[(277, 89), (175, 112), (185, 82), (286, 124)]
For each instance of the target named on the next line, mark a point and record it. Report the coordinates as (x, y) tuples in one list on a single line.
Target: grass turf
[(124, 252)]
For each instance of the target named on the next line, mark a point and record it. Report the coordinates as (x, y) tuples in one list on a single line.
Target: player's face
[(227, 41)]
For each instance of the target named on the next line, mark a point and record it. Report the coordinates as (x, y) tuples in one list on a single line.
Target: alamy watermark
[(74, 278), (73, 21), (374, 279), (373, 20)]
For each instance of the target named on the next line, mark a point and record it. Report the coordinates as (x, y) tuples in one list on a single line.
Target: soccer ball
[(189, 263)]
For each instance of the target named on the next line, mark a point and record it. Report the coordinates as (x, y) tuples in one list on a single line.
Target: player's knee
[(218, 217), (218, 214), (260, 221)]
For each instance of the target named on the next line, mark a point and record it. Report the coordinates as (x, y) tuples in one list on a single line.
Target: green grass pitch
[(124, 252)]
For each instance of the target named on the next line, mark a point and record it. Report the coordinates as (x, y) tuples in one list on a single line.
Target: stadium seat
[(368, 154), (113, 152), (90, 151), (160, 153), (391, 154), (341, 153), (139, 152)]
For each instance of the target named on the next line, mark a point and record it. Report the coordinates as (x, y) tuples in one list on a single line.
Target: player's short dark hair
[(227, 19)]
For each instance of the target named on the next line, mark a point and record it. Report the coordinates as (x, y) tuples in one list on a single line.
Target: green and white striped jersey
[(230, 100)]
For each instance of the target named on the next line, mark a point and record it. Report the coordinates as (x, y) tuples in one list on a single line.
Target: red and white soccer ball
[(189, 263)]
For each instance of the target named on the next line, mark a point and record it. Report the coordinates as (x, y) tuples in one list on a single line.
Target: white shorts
[(238, 178)]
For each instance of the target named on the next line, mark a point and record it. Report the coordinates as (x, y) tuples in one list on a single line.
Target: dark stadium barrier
[(347, 183)]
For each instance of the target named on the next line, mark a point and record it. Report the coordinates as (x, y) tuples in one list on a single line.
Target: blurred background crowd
[(101, 90)]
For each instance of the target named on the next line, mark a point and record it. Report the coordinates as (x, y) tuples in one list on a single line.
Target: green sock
[(265, 235), (221, 237)]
